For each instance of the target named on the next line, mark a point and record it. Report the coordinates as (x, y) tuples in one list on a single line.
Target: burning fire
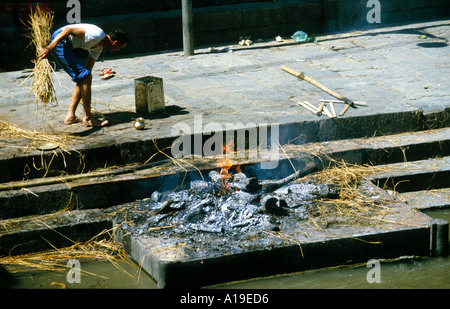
[(224, 165)]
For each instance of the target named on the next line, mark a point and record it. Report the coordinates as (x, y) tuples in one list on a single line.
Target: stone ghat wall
[(115, 7), (157, 25)]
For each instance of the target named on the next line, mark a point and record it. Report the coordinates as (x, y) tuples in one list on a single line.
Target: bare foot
[(72, 120), (95, 122)]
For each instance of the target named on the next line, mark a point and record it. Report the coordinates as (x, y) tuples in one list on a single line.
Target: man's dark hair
[(119, 35)]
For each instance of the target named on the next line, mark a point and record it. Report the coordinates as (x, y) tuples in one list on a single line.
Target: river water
[(427, 273)]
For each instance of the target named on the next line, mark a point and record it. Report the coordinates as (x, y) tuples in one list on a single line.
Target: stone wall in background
[(156, 25)]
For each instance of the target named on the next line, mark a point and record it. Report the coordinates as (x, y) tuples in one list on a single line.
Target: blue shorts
[(64, 56)]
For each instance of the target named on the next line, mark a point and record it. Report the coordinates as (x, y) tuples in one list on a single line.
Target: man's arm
[(78, 32)]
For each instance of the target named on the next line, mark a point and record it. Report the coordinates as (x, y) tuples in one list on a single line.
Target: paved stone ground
[(392, 69)]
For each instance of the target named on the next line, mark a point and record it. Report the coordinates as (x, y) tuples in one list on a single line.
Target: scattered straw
[(354, 206), (41, 23), (11, 130), (345, 175), (56, 260)]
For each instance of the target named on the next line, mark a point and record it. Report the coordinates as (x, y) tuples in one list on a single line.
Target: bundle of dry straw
[(41, 23)]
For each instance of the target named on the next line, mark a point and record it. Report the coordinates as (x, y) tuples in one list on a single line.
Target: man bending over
[(92, 39)]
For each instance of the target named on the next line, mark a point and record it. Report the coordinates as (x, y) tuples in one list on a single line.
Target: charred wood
[(272, 185)]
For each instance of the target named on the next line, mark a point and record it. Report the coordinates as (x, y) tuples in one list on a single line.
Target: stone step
[(415, 175), (386, 149), (102, 151), (427, 199), (44, 232), (121, 185)]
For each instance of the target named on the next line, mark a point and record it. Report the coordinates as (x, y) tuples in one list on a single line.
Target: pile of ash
[(226, 204)]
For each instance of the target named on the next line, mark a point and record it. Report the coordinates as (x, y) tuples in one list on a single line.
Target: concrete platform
[(201, 258)]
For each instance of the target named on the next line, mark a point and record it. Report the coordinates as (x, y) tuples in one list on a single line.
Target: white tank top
[(93, 35)]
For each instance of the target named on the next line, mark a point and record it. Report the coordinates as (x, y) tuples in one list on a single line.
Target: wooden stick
[(320, 109), (315, 110), (344, 110), (308, 107), (327, 112), (317, 84), (312, 107), (342, 102), (333, 111)]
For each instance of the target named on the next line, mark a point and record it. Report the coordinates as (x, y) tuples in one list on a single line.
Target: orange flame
[(225, 165)]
